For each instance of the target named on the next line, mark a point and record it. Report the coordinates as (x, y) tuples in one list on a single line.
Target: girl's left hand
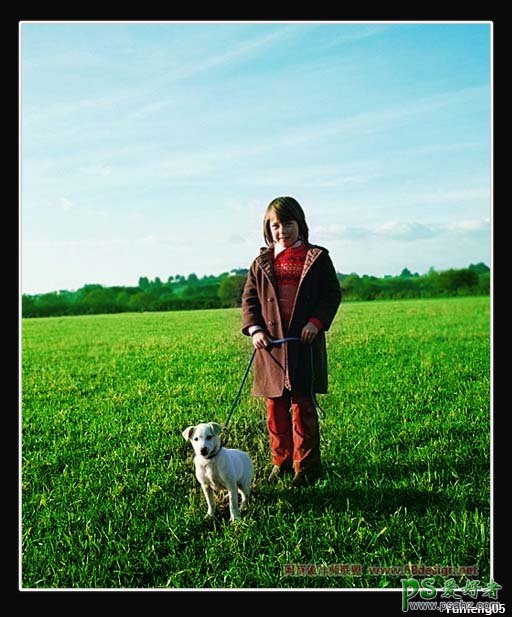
[(309, 333)]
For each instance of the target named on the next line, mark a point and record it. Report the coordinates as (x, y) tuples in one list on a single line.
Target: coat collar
[(266, 261)]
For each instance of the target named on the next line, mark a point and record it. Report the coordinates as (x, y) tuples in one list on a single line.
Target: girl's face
[(284, 233)]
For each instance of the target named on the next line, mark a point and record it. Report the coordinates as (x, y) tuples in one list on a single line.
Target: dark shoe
[(299, 479), (306, 477), (278, 472)]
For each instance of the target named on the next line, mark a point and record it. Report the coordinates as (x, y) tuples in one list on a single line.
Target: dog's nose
[(204, 451)]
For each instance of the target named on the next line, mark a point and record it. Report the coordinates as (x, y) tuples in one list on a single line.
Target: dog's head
[(205, 438)]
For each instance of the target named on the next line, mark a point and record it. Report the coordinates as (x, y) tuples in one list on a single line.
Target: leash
[(273, 343)]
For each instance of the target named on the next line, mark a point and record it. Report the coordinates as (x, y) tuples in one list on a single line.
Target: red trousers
[(294, 435)]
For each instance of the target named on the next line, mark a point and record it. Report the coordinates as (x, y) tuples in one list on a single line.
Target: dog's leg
[(245, 493), (233, 503), (210, 498)]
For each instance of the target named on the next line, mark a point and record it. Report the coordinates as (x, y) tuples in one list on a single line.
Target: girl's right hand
[(260, 340)]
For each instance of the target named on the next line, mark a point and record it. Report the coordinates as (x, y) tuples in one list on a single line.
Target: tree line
[(225, 290)]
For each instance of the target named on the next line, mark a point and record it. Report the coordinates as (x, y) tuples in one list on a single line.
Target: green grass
[(109, 497)]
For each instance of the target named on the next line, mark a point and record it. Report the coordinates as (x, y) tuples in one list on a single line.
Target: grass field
[(110, 500)]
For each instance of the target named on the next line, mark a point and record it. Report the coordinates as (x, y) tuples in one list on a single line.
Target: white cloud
[(150, 240), (66, 204), (329, 230), (470, 227), (406, 231)]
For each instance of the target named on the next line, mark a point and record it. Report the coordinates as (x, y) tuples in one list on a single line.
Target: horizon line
[(105, 285)]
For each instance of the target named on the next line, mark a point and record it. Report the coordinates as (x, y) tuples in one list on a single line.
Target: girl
[(291, 291)]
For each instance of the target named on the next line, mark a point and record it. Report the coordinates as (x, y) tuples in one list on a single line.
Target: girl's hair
[(286, 209)]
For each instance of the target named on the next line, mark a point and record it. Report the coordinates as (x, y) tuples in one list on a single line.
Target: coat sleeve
[(330, 294), (251, 305)]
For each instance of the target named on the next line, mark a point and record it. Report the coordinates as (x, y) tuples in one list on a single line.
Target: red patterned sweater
[(288, 266)]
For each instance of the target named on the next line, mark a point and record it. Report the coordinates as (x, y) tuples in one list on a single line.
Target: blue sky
[(153, 149)]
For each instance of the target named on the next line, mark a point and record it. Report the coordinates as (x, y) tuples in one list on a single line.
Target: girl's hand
[(309, 332), (260, 340)]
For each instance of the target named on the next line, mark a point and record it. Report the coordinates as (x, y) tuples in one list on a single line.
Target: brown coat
[(318, 295)]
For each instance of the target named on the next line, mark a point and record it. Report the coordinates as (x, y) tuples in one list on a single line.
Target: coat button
[(270, 299)]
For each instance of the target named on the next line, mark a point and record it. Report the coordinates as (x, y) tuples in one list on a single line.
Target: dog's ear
[(187, 433), (216, 428)]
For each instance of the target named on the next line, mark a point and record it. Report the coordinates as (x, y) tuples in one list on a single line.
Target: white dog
[(220, 468)]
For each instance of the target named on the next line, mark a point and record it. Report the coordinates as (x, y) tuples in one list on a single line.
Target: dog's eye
[(209, 437), (196, 438)]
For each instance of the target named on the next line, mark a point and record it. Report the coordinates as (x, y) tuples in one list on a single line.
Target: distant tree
[(484, 283), (231, 289), (138, 302), (51, 304), (370, 287), (458, 281), (164, 302), (89, 287), (226, 290), (479, 268), (431, 283), (398, 287), (122, 301), (144, 283), (28, 306), (351, 285), (99, 300), (240, 271)]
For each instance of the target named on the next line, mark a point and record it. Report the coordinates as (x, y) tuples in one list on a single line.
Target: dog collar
[(214, 455)]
